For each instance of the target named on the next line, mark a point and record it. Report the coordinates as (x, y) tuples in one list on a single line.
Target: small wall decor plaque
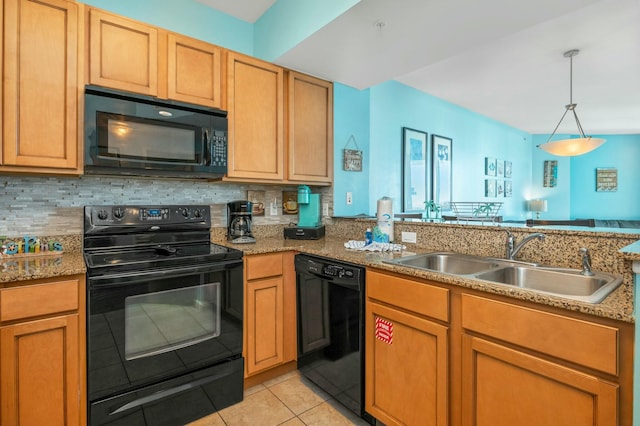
[(352, 157), (606, 179), (550, 173)]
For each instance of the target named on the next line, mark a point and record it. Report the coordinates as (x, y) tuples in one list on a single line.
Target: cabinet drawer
[(411, 295), (585, 343), (261, 266), (37, 300)]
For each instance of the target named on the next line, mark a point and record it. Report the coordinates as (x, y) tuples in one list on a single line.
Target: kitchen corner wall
[(44, 206)]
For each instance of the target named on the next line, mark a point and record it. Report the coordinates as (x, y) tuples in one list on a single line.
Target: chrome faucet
[(512, 248), (586, 262)]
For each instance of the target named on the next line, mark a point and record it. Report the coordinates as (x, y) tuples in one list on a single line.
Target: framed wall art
[(606, 179), (442, 167), (490, 166), (490, 188), (416, 183), (550, 176)]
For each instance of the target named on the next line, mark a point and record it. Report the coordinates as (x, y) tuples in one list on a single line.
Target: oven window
[(167, 320)]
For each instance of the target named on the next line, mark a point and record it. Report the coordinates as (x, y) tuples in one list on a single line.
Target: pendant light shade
[(572, 146)]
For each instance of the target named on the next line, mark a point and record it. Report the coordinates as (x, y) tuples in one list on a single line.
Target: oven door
[(156, 325)]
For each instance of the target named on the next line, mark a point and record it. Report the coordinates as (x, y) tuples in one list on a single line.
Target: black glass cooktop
[(160, 256)]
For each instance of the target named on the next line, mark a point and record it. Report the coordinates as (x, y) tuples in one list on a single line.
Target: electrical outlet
[(349, 198), (409, 237), (325, 209)]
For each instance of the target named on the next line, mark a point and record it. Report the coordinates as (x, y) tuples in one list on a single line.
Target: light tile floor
[(288, 400)]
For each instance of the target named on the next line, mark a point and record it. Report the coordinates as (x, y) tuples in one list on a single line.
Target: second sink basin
[(566, 282)]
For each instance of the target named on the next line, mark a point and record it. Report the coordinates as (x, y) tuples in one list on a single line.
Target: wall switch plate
[(325, 209), (409, 237), (349, 198)]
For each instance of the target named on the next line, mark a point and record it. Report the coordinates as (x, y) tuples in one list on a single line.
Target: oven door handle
[(114, 280)]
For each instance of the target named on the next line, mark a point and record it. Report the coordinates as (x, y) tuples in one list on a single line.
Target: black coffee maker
[(239, 222)]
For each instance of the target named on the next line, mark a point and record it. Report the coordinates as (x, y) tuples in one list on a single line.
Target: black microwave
[(135, 135)]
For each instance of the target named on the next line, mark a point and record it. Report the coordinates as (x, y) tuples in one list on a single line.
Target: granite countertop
[(14, 269), (616, 306), (631, 252)]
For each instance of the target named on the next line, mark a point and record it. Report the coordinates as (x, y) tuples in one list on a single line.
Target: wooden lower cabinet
[(406, 377), (270, 316), (504, 387), (406, 355), (468, 358), (42, 353)]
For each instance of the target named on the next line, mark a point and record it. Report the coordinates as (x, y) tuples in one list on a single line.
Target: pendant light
[(573, 146)]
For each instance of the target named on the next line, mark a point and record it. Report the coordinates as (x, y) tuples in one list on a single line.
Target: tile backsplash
[(53, 205)]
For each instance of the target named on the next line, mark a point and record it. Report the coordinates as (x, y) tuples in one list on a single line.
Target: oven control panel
[(137, 215)]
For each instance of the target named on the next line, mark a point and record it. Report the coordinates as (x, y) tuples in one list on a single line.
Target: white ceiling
[(500, 58)]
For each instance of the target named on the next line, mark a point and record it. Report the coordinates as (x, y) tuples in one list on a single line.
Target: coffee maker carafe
[(239, 222)]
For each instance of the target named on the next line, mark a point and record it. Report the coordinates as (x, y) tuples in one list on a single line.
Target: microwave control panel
[(219, 152)]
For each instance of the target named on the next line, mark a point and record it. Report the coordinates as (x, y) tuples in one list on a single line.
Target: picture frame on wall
[(508, 166), (416, 161), (442, 169), (508, 190), (490, 188), (499, 168), (490, 166)]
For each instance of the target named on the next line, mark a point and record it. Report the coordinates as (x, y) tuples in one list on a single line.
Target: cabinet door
[(310, 137), (406, 372), (265, 324), (503, 386), (123, 53), (40, 84), (39, 365), (194, 69), (255, 101)]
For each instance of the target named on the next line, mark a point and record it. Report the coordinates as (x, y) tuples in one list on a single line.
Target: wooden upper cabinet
[(255, 102), (194, 69), (40, 86), (310, 138), (123, 53)]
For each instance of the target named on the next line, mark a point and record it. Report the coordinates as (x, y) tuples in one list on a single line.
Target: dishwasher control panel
[(328, 268)]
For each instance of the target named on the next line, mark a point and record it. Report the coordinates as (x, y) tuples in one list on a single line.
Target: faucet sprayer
[(586, 262)]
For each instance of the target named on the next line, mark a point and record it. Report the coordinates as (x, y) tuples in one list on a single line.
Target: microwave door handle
[(207, 147)]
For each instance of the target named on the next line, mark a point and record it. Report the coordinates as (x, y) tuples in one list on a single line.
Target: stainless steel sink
[(448, 263), (562, 282), (558, 281)]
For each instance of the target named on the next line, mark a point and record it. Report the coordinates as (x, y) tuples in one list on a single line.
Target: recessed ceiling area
[(499, 58)]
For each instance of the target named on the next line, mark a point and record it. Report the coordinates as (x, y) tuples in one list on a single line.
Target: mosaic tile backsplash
[(54, 205)]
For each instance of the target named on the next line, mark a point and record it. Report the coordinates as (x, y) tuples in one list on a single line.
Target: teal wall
[(351, 118), (575, 196), (186, 17), (394, 105)]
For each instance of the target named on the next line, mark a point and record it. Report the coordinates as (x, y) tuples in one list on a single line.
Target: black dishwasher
[(330, 296)]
